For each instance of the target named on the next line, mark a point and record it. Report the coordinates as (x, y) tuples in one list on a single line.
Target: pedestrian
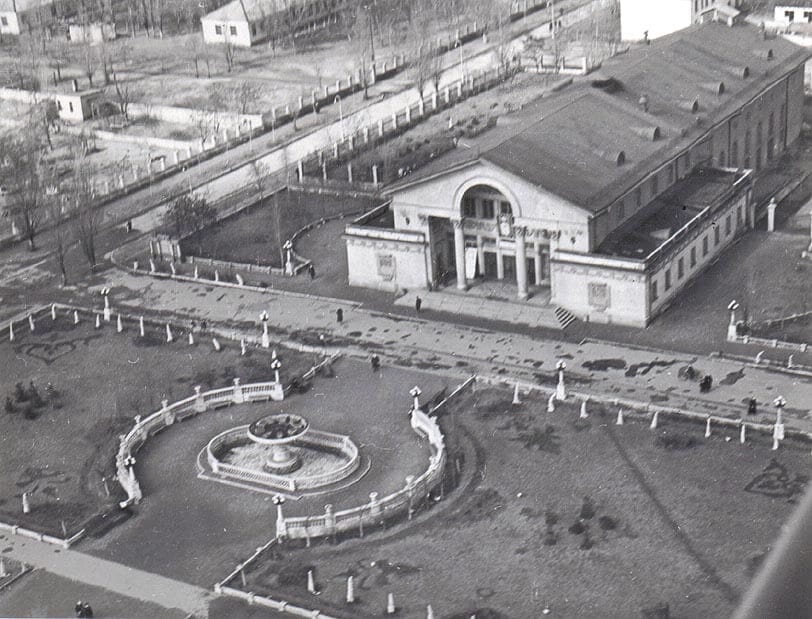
[(376, 363), (77, 609), (312, 271), (752, 406), (87, 610), (194, 326), (129, 226), (705, 384), (203, 326), (339, 315), (418, 303)]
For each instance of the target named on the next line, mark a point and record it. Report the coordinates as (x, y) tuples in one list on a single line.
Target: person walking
[(339, 315), (311, 271), (376, 363), (752, 406), (418, 303)]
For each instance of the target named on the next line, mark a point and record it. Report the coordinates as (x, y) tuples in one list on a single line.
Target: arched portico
[(484, 239)]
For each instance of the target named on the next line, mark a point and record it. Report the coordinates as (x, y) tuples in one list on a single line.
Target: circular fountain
[(282, 452), (277, 433)]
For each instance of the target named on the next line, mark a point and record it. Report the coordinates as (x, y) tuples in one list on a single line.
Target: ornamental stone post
[(560, 388), (237, 395), (200, 402)]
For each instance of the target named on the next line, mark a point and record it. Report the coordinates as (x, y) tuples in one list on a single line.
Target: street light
[(560, 389), (340, 115), (731, 328), (780, 402), (265, 339), (415, 393)]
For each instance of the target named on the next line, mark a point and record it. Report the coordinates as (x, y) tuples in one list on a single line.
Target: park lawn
[(585, 517), (249, 236), (102, 379), (196, 530)]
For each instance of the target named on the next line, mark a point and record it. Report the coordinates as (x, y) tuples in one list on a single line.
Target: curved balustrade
[(159, 420), (377, 510)]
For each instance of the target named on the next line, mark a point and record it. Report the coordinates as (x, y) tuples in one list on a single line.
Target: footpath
[(613, 370), (115, 577)]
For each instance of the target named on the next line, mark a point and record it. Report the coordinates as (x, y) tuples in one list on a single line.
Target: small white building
[(18, 16), (244, 22), (650, 19), (92, 33), (798, 12)]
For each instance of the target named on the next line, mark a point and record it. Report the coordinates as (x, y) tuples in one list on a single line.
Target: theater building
[(607, 197)]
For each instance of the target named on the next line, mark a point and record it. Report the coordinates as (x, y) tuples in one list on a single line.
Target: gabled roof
[(250, 10), (595, 140)]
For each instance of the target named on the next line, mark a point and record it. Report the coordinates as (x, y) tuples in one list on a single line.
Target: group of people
[(83, 609)]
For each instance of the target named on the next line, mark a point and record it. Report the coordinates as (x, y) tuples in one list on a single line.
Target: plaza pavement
[(115, 577), (641, 374)]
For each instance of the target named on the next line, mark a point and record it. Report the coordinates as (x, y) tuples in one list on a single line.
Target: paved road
[(607, 368)]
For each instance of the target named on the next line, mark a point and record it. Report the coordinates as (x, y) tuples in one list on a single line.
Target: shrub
[(576, 528), (587, 509), (9, 405), (607, 523)]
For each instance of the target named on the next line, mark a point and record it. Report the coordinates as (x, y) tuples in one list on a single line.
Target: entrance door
[(510, 267), (490, 265), (443, 265)]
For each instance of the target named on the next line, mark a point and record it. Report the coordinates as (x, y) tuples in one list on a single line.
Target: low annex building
[(19, 16), (609, 196)]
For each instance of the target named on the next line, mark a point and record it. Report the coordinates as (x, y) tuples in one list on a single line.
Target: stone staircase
[(565, 318)]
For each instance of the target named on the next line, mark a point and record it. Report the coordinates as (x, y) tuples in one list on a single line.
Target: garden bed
[(250, 236), (59, 446), (581, 516)]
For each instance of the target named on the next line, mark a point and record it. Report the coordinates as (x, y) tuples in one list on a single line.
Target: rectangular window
[(488, 209), (734, 154), (671, 173), (668, 278), (504, 208), (716, 236), (598, 295), (727, 225), (808, 17), (655, 185), (739, 216), (4, 21), (680, 268), (790, 15), (218, 30), (468, 207), (693, 257), (233, 30), (654, 294), (70, 105), (705, 245), (638, 197), (621, 210)]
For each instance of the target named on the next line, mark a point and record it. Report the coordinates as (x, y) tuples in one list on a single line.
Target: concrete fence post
[(380, 127), (375, 175), (349, 171), (394, 120)]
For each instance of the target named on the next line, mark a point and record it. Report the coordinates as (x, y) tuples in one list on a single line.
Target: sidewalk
[(646, 375), (123, 580)]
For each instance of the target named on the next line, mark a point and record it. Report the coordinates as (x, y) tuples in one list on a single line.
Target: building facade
[(608, 196), (799, 12), (18, 16), (243, 23), (647, 19)]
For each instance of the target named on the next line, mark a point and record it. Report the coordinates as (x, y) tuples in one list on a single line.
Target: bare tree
[(207, 124), (86, 217), (193, 48), (245, 96), (59, 223), (124, 93), (25, 177)]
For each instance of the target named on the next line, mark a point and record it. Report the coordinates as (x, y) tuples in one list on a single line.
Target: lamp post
[(288, 247), (415, 393), (560, 389), (780, 402), (731, 328), (105, 292), (266, 343), (275, 365), (340, 115), (279, 500)]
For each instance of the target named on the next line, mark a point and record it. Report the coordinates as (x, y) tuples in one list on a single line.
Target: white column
[(500, 262), (480, 251), (521, 263), (459, 253), (537, 262), (771, 215)]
